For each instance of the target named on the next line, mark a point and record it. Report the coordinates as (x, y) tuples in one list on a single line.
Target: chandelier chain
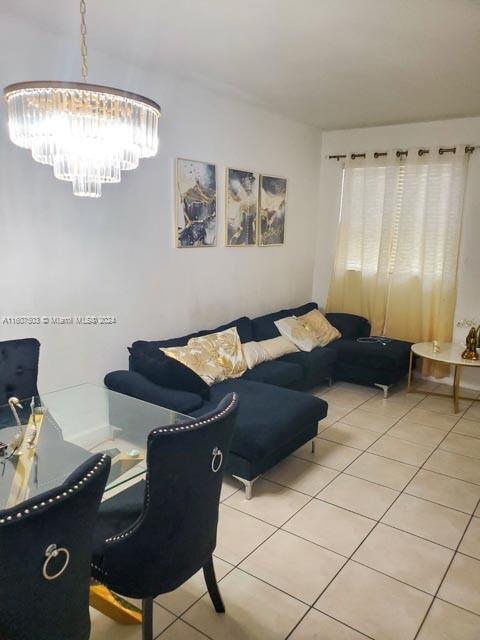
[(83, 36)]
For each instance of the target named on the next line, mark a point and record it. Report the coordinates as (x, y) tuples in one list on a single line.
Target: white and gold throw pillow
[(254, 353), (316, 323), (293, 330), (198, 359), (225, 350), (278, 347)]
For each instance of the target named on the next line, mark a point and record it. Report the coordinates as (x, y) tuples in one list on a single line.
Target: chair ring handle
[(217, 459), (52, 552)]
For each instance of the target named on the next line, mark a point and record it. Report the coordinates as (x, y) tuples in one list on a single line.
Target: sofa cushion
[(243, 326), (393, 356), (268, 416), (275, 372), (165, 371), (315, 364), (349, 325), (264, 328), (367, 375)]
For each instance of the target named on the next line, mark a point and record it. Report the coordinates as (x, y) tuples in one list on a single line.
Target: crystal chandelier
[(88, 133)]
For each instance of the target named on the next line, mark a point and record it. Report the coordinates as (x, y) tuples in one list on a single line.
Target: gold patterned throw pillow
[(316, 323), (198, 359), (294, 331), (225, 350)]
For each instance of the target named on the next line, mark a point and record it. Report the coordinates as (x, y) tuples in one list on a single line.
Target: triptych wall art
[(254, 206)]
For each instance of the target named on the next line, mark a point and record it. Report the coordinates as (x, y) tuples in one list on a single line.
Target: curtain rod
[(400, 153)]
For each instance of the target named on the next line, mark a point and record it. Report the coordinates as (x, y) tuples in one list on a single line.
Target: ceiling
[(330, 63)]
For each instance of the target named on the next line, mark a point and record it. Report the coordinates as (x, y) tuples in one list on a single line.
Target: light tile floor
[(375, 535)]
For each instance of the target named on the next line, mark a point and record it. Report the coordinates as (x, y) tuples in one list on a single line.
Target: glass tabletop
[(45, 438)]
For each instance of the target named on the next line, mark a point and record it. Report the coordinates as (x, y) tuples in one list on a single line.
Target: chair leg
[(147, 619), (212, 586)]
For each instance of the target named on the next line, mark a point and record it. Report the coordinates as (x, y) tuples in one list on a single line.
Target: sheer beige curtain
[(397, 251)]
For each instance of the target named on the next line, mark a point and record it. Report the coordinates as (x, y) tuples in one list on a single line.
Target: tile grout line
[(277, 528), (184, 622), (472, 613), (314, 497), (350, 558), (317, 497), (354, 551), (376, 524), (311, 498), (456, 552)]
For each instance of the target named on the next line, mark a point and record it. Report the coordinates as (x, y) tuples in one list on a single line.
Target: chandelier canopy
[(88, 133)]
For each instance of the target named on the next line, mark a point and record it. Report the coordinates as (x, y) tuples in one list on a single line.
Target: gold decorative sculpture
[(470, 352)]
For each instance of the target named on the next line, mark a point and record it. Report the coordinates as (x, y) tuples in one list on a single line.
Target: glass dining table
[(43, 439)]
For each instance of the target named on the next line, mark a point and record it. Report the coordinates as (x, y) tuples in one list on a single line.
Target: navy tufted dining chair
[(18, 368), (45, 563), (19, 361), (155, 535)]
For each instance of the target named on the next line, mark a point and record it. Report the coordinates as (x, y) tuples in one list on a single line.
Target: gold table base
[(455, 387), (113, 606)]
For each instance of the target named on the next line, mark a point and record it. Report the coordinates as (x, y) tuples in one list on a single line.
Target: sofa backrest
[(264, 326), (349, 325), (243, 326)]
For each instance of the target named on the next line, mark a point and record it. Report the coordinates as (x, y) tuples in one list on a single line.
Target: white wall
[(448, 132), (64, 255)]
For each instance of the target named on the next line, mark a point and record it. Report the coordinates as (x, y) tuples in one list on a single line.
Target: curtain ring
[(52, 552), (217, 460)]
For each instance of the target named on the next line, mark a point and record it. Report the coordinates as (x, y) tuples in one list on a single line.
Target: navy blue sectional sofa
[(275, 417)]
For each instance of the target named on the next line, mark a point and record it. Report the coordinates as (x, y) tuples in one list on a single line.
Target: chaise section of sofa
[(272, 422), (376, 363)]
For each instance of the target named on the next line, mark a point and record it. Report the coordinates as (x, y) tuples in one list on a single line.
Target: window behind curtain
[(398, 240)]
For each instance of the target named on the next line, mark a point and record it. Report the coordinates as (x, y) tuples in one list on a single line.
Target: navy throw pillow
[(160, 369)]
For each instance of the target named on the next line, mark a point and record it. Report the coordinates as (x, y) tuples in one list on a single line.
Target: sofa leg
[(248, 486), (330, 381), (313, 445), (384, 387)]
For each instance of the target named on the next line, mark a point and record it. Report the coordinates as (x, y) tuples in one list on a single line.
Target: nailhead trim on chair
[(195, 424), (45, 503), (187, 427)]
